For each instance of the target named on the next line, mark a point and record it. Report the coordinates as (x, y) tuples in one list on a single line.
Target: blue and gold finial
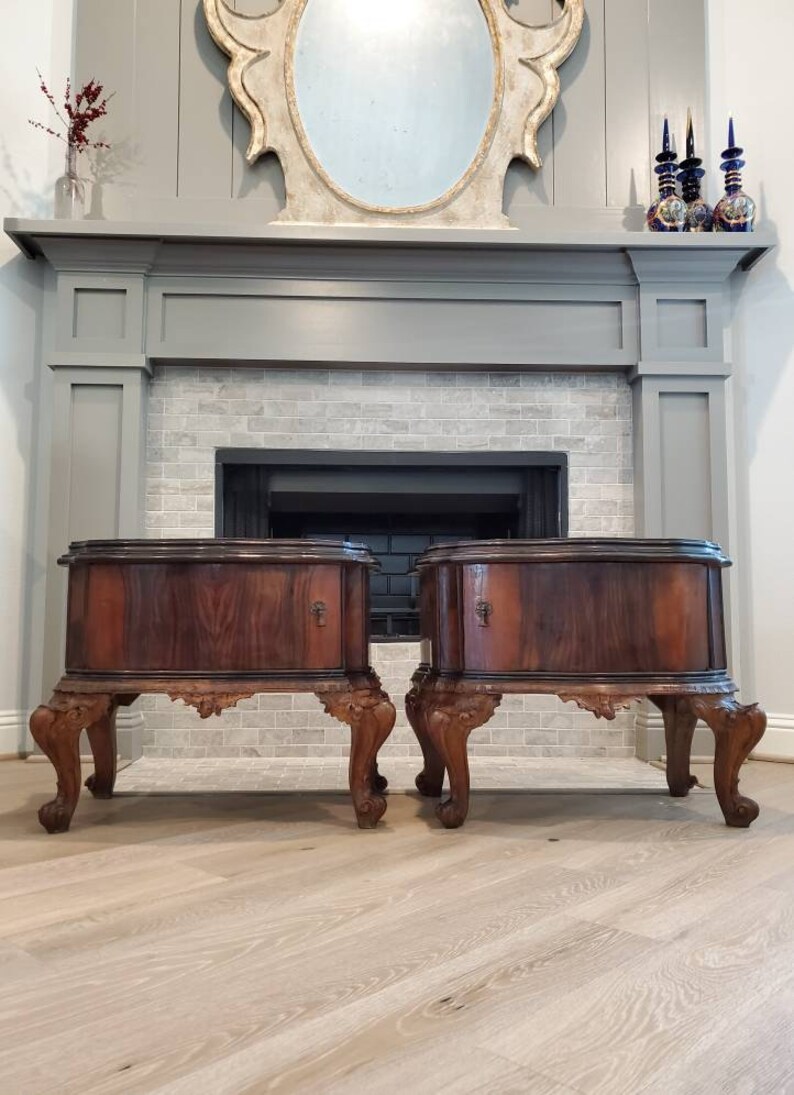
[(699, 214), (668, 214), (736, 211)]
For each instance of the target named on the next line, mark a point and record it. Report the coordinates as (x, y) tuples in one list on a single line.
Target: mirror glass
[(394, 95)]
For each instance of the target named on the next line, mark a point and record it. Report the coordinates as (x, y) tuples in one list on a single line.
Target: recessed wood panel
[(100, 314), (580, 150), (157, 102), (677, 44), (588, 618), (682, 324), (686, 478), (205, 111), (94, 460), (277, 328), (627, 104), (206, 619)]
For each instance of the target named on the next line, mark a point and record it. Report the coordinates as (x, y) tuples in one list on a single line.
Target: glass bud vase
[(70, 191)]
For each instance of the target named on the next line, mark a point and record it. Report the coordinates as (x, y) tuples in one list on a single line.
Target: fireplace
[(398, 504), (171, 344)]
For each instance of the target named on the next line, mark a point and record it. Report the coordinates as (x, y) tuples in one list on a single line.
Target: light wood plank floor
[(238, 944)]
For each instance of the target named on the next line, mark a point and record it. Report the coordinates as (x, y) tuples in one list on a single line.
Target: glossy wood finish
[(602, 623), (123, 616), (557, 637), (212, 622)]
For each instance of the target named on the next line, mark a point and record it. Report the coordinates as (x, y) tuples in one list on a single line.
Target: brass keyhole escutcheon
[(320, 611), (484, 610)]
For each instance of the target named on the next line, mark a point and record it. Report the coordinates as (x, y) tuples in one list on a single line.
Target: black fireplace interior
[(396, 503)]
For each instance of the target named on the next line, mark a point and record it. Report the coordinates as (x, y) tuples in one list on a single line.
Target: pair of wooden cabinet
[(211, 622)]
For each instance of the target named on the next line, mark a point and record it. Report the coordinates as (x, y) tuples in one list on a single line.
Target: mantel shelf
[(235, 294), (48, 238)]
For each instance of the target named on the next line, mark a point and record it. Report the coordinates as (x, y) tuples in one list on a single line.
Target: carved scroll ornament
[(210, 703), (526, 87), (600, 704)]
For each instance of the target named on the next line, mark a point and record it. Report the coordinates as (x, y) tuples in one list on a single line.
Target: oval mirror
[(394, 97)]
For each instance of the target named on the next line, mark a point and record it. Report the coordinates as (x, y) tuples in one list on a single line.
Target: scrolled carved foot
[(450, 716), (741, 813), (682, 789), (737, 730), (430, 780), (102, 738), (56, 728), (430, 784), (679, 728), (370, 714), (379, 782), (56, 816), (369, 810), (98, 788), (451, 814)]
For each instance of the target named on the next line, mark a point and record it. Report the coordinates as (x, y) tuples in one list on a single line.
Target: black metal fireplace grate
[(395, 589), (399, 504)]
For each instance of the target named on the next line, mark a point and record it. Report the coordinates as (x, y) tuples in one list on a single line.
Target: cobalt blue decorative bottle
[(699, 214), (736, 211), (668, 214)]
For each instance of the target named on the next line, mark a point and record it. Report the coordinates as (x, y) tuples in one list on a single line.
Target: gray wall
[(179, 141)]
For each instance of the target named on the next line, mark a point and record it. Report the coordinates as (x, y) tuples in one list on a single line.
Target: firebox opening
[(396, 503)]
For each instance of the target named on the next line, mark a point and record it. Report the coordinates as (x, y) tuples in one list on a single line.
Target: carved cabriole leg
[(56, 729), (431, 779), (370, 715), (450, 718), (679, 729), (379, 782), (737, 730), (102, 738)]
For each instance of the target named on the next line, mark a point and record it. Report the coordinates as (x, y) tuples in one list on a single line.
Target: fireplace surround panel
[(376, 340)]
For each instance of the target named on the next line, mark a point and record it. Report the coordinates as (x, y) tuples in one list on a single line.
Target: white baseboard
[(776, 744), (651, 745), (129, 732), (13, 726), (778, 741), (16, 741)]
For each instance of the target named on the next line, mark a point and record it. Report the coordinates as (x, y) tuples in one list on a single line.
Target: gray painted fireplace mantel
[(124, 298)]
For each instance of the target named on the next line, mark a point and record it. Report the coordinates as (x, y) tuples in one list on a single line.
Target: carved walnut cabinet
[(212, 622), (601, 622)]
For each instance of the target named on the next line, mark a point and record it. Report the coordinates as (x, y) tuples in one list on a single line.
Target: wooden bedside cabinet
[(212, 622), (601, 622)]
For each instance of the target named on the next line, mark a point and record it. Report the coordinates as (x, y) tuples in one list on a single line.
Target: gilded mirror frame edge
[(511, 133)]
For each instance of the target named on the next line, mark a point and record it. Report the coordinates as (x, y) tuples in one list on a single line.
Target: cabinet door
[(589, 618), (212, 618)]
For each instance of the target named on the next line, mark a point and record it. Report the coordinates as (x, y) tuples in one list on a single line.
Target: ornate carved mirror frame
[(526, 88)]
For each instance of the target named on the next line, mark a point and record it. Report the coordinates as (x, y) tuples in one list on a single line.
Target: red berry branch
[(80, 111)]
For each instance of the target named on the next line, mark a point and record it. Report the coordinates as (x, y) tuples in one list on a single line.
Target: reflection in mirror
[(394, 96)]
